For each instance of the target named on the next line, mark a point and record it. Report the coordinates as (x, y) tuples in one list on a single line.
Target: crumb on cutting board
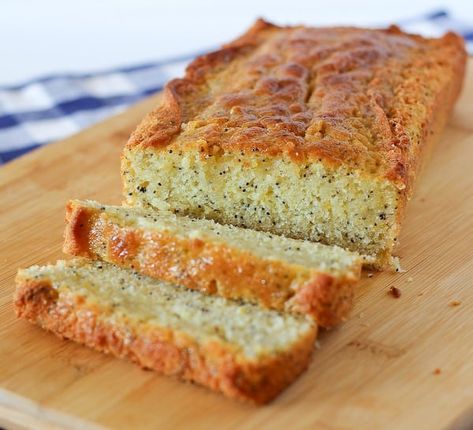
[(394, 292), (437, 371), (454, 303), (397, 265)]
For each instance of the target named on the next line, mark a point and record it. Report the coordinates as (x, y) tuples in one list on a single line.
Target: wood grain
[(377, 371)]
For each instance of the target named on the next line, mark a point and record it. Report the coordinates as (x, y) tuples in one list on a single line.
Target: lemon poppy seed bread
[(244, 351), (311, 133), (273, 271)]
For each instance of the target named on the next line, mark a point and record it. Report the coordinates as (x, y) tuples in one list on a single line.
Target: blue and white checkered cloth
[(43, 110)]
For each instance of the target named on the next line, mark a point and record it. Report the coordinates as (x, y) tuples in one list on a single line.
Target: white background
[(54, 36)]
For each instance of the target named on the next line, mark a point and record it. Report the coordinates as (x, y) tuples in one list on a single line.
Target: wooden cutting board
[(403, 363)]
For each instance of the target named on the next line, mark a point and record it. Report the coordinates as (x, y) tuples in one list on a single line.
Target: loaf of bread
[(311, 133), (240, 349), (273, 271)]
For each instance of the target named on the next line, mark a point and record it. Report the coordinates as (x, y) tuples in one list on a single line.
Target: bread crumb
[(395, 292), (437, 371), (454, 303), (421, 293), (397, 265), (410, 279), (317, 345), (370, 275)]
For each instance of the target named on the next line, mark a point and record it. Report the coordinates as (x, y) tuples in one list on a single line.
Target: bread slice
[(311, 133), (273, 271), (242, 350)]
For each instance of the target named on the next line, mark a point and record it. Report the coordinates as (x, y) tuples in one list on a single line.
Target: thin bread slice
[(240, 349), (273, 271)]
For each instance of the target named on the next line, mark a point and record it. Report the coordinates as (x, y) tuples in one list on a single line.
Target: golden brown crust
[(170, 352), (364, 98), (212, 268), (77, 220), (327, 298), (434, 122), (179, 103)]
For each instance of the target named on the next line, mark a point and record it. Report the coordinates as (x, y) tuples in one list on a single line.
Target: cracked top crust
[(366, 99)]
